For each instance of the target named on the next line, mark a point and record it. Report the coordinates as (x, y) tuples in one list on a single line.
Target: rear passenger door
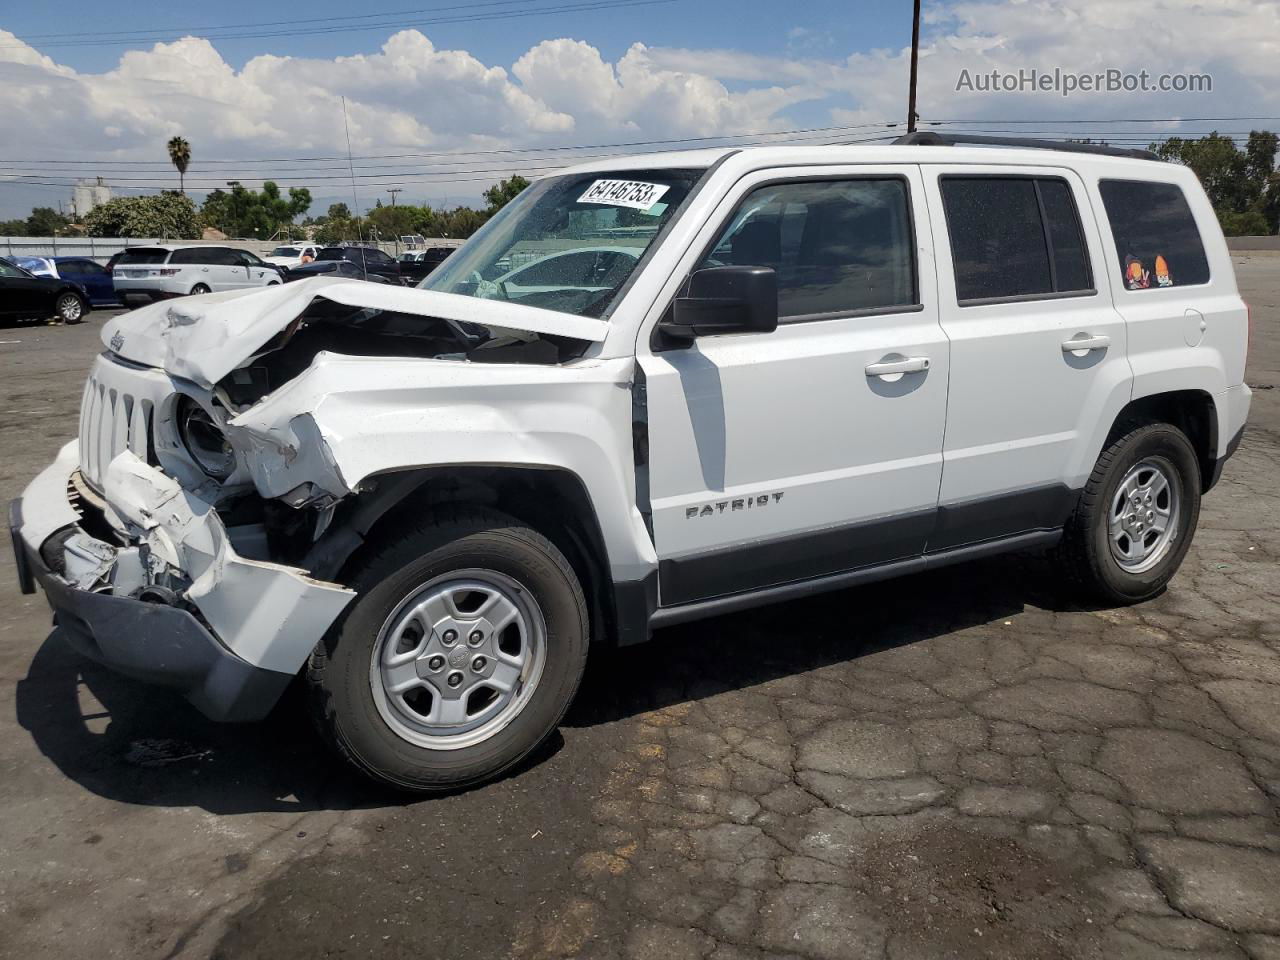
[(226, 268), (1038, 353), (815, 449)]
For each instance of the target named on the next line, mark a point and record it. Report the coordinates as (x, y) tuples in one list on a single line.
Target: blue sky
[(753, 26), (461, 104)]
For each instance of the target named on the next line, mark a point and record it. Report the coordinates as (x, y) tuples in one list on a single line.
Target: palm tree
[(180, 154)]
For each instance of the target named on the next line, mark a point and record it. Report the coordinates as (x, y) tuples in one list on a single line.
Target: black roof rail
[(929, 138)]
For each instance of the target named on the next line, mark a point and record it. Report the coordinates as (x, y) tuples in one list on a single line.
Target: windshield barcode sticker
[(624, 193)]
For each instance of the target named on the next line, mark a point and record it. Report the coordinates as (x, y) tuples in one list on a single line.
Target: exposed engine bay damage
[(203, 339), (236, 442)]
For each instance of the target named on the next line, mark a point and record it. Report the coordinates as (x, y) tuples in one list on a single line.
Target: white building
[(86, 195)]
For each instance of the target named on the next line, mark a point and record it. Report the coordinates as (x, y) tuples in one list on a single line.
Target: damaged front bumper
[(170, 601)]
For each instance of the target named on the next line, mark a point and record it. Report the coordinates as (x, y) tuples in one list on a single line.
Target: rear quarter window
[(191, 255), (1157, 241), (142, 255)]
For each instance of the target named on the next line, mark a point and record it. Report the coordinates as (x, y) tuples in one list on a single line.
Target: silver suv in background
[(176, 271)]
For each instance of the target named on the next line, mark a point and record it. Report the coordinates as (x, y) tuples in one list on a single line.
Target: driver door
[(776, 458)]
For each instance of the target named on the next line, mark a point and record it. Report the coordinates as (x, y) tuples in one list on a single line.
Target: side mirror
[(735, 299)]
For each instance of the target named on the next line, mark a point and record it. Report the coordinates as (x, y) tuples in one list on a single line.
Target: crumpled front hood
[(204, 338)]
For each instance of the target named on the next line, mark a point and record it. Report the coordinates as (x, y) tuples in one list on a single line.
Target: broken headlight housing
[(204, 440)]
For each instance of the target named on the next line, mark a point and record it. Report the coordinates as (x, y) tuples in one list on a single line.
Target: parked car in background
[(293, 255), (415, 265), (24, 296), (176, 271), (332, 268), (368, 260), (90, 276)]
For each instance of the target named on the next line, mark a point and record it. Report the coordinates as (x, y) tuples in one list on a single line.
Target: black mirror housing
[(737, 299)]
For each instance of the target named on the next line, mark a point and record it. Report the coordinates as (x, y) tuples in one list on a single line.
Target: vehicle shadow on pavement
[(140, 744), (700, 659)]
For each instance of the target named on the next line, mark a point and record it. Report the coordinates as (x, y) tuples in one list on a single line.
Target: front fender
[(347, 419)]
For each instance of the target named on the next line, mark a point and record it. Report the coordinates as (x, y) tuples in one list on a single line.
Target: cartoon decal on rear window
[(1136, 276), (1157, 240)]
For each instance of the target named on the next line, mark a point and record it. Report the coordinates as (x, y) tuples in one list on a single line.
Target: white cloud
[(410, 96)]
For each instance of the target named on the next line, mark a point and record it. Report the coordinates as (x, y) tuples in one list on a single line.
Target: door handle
[(1082, 342), (889, 368)]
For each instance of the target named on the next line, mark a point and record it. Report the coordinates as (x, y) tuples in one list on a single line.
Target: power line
[(501, 151), (27, 37), (590, 5)]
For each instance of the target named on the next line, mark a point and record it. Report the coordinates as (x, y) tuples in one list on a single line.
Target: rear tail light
[(168, 272)]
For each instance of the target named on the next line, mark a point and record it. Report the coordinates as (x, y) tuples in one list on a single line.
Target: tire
[(69, 308), (389, 736), (199, 288), (1087, 555)]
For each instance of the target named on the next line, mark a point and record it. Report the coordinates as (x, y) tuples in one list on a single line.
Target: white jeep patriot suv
[(726, 378)]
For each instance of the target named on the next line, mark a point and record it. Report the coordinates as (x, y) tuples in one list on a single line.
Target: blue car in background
[(89, 275)]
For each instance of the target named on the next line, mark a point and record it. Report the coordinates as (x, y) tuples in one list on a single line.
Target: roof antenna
[(355, 201)]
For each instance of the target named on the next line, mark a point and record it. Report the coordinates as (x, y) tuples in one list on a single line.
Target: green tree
[(338, 211), (13, 228), (251, 213), (1242, 184), (170, 216), (503, 193), (45, 222), (397, 221), (180, 157)]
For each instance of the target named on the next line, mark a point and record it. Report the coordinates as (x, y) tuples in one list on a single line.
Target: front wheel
[(460, 654), (1135, 519), (69, 308)]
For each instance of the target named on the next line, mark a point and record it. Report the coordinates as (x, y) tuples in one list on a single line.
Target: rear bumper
[(1233, 412)]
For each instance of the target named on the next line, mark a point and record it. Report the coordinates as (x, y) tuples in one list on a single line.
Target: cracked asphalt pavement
[(959, 764)]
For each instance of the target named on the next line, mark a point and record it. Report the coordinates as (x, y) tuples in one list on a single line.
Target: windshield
[(285, 252), (567, 243)]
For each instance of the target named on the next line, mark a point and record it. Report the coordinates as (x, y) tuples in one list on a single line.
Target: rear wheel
[(199, 288), (458, 657), (69, 308), (1136, 516)]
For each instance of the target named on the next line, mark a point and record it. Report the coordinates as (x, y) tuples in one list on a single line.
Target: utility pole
[(915, 59), (393, 191)]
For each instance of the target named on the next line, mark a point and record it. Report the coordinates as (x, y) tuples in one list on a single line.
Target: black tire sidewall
[(197, 292), (367, 739), (1162, 442)]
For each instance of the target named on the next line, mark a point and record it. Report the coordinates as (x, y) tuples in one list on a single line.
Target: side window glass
[(565, 270), (1070, 255), (997, 237), (69, 268), (838, 246), (1156, 236), (1014, 238)]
